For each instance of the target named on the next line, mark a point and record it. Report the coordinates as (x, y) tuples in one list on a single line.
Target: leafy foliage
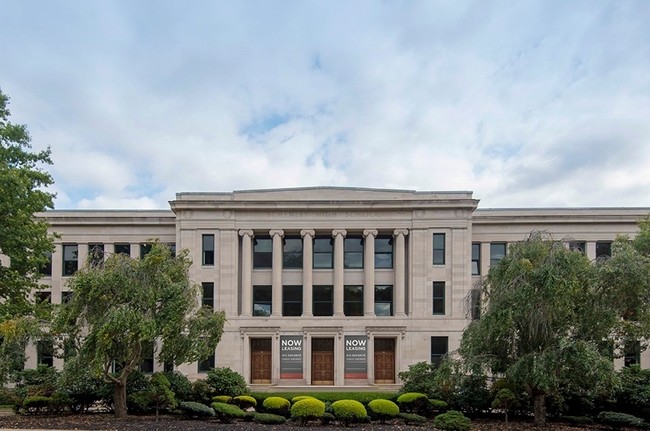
[(244, 401), (195, 410), (180, 385), (277, 405), (226, 413), (452, 421), (383, 410), (349, 411), (617, 420), (269, 419), (225, 381), (412, 418), (504, 400), (307, 409), (412, 402)]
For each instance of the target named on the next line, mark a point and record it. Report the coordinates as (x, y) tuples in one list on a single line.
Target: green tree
[(24, 239), (539, 324), (120, 306)]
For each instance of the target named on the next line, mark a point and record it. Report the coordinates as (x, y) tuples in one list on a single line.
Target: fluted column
[(307, 271), (246, 272), (277, 235), (369, 272), (400, 270), (339, 236)]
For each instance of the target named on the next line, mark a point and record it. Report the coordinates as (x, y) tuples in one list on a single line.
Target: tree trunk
[(119, 399), (540, 410)]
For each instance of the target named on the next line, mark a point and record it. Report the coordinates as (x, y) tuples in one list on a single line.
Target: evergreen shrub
[(277, 405), (412, 418), (349, 411), (244, 401), (617, 420), (452, 421), (227, 382), (226, 399), (307, 409), (226, 413), (269, 419), (383, 410), (193, 409), (180, 385), (412, 402)]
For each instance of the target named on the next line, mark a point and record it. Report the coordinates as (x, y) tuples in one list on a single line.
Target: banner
[(291, 348), (356, 357)]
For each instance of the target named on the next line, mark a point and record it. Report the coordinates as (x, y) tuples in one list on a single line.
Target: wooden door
[(261, 360), (384, 360), (322, 361)]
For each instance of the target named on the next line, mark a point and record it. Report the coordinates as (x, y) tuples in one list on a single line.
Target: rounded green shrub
[(383, 410), (438, 405), (202, 392), (192, 409), (277, 405), (36, 404), (244, 401), (307, 409), (452, 421), (227, 382), (226, 399), (300, 398), (327, 418), (349, 411), (618, 420), (412, 402), (412, 418), (269, 419), (180, 385), (226, 413)]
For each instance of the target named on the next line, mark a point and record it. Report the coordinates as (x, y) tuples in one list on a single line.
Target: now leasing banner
[(291, 348), (356, 357)]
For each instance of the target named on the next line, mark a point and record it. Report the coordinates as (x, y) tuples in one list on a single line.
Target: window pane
[(208, 294), (292, 253), (383, 252), (123, 249), (96, 254), (323, 303), (208, 250), (603, 249), (476, 259), (144, 250), (70, 263), (263, 253), (353, 300), (353, 260), (323, 245), (384, 244), (438, 297), (322, 260), (439, 347), (497, 252), (383, 309), (262, 300), (438, 248), (354, 244)]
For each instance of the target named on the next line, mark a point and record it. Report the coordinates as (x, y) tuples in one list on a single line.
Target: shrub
[(36, 404), (227, 382), (504, 399), (633, 396), (577, 420), (438, 405), (269, 419), (420, 378), (226, 399), (277, 405), (307, 409), (383, 410), (452, 421), (618, 420), (412, 402), (8, 397), (244, 401), (82, 389), (59, 402), (327, 418), (180, 385), (226, 413), (412, 418), (349, 411), (202, 392), (192, 409), (300, 398)]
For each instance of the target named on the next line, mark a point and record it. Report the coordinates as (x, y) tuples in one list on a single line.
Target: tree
[(539, 325), (120, 305), (24, 239)]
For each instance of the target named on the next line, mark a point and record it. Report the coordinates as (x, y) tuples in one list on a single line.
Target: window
[(438, 248), (353, 252), (123, 249), (476, 258), (292, 300), (439, 346), (578, 246), (70, 259), (46, 268), (384, 300), (146, 363), (45, 353), (172, 248), (96, 254), (207, 242), (438, 297), (383, 252), (323, 256), (603, 249), (262, 300), (353, 300), (632, 353), (208, 295), (323, 301), (475, 303), (144, 250), (292, 253), (66, 297), (44, 297), (497, 252), (263, 253), (207, 364)]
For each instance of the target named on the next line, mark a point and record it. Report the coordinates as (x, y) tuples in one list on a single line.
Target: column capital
[(274, 232), (337, 232), (246, 232), (398, 232), (372, 232), (307, 232)]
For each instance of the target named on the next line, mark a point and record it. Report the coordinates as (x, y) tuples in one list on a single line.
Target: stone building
[(326, 285)]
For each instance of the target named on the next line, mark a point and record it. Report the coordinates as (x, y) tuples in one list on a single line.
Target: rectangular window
[(123, 249), (46, 268), (96, 254), (207, 364), (144, 250), (632, 353), (172, 248), (44, 297), (323, 301), (45, 353), (579, 246), (439, 347), (207, 242), (292, 300), (146, 363), (384, 300), (497, 252), (438, 297), (383, 252), (353, 300), (262, 300), (353, 252), (66, 297), (70, 259), (603, 249), (438, 248), (263, 253), (476, 258), (208, 295), (292, 253), (323, 253)]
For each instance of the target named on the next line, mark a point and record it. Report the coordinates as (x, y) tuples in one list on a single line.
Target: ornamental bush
[(383, 410), (269, 419), (244, 401), (192, 409), (438, 405), (277, 405), (227, 382), (618, 420), (226, 399), (36, 404), (180, 385), (412, 418), (452, 421), (307, 409), (226, 413), (300, 398), (349, 411), (202, 392), (412, 402)]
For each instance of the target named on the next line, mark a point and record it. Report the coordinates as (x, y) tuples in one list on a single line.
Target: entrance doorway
[(322, 361), (384, 360), (261, 360)]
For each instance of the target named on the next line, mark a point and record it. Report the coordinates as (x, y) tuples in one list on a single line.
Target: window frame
[(207, 249), (317, 303), (494, 261), (292, 259), (207, 300), (317, 252), (607, 245), (352, 258), (390, 288), (476, 258), (122, 245), (439, 252), (379, 252), (262, 259), (69, 263), (288, 304), (437, 356), (353, 307), (265, 291), (438, 298)]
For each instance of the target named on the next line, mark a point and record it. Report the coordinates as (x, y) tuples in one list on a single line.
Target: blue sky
[(527, 103)]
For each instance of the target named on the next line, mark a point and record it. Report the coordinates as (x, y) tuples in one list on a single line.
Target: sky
[(526, 103)]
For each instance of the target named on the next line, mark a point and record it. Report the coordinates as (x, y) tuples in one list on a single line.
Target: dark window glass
[(172, 248), (323, 301), (353, 300), (580, 246), (263, 253), (262, 300), (208, 294), (46, 268), (208, 250), (383, 252), (438, 248), (45, 353), (207, 364), (439, 346), (476, 258), (438, 297), (70, 259), (168, 367), (292, 300), (123, 249), (292, 253), (475, 298), (632, 353), (603, 249), (96, 254), (66, 297), (323, 253), (144, 250), (353, 255), (44, 297), (497, 252), (384, 300), (146, 363)]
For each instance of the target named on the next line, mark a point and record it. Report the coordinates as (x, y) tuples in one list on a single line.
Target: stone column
[(339, 236), (246, 272), (307, 271), (400, 270), (369, 272), (277, 235)]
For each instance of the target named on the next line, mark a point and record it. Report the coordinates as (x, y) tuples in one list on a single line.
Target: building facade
[(328, 286)]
